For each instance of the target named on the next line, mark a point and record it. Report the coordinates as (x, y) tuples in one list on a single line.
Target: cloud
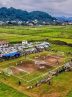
[(54, 7)]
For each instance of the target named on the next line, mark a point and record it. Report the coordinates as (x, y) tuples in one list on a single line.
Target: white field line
[(19, 78), (38, 76), (35, 77), (32, 79), (24, 75), (44, 74), (21, 70)]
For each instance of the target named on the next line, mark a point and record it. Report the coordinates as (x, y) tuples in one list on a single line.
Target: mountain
[(9, 14), (64, 19)]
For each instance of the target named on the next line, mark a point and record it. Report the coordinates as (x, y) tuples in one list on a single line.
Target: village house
[(24, 42), (3, 43)]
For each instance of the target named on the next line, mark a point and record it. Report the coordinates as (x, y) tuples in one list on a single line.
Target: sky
[(53, 7)]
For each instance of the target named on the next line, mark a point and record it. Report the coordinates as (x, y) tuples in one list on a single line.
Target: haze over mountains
[(12, 14), (64, 19), (8, 14)]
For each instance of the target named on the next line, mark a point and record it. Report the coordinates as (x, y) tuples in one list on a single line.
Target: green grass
[(69, 94), (19, 33), (61, 84), (61, 48), (63, 39), (6, 91)]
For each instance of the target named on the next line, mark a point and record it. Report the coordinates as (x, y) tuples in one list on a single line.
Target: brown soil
[(51, 60), (52, 95), (31, 66), (27, 67), (15, 70)]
